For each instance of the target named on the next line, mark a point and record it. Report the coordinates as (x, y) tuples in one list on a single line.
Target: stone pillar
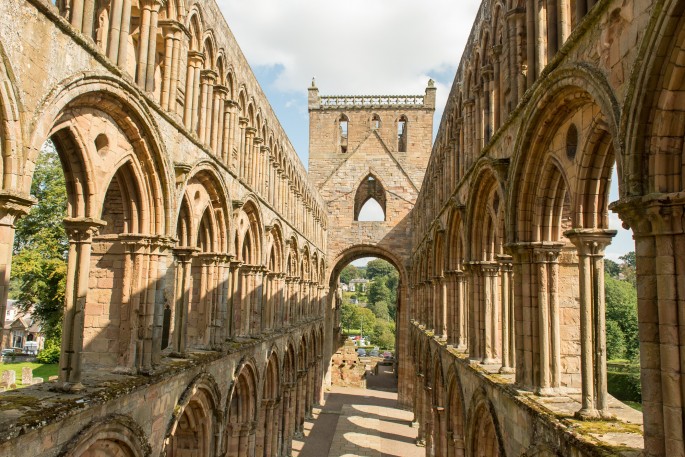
[(80, 232), (11, 208), (508, 327), (184, 257), (207, 81), (546, 256), (531, 40), (657, 224), (475, 312), (591, 244), (490, 323), (441, 330), (192, 96), (497, 89), (234, 298), (147, 44), (172, 49), (218, 119)]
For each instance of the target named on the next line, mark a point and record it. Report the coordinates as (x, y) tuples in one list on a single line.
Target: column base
[(490, 361), (587, 414), (547, 392), (70, 387), (420, 442), (507, 370), (298, 435)]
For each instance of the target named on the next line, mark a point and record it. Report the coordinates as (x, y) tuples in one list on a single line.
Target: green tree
[(349, 273), (612, 268), (378, 267), (380, 310), (349, 316), (367, 320), (629, 267), (40, 247), (615, 340), (383, 335), (621, 308), (378, 291)]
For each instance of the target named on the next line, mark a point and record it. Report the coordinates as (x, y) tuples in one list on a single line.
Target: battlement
[(340, 102)]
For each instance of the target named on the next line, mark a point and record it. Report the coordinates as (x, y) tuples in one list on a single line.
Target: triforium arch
[(118, 211), (559, 231), (456, 416), (202, 254), (485, 231), (195, 425), (270, 412)]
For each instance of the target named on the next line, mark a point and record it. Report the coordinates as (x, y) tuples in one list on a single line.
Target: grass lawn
[(40, 370)]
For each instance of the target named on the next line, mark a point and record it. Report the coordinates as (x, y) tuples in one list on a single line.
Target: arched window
[(343, 124), (370, 200), (402, 134), (375, 122)]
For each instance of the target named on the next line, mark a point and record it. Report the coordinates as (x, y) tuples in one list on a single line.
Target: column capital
[(82, 228), (653, 214), (250, 131), (195, 57), (184, 253), (13, 206), (220, 89), (590, 242)]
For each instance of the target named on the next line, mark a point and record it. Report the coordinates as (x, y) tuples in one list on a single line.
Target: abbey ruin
[(201, 306)]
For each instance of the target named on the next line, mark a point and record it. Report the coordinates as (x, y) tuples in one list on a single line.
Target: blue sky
[(357, 47)]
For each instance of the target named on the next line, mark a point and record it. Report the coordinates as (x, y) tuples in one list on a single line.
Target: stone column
[(474, 310), (441, 330), (172, 31), (147, 44), (207, 81), (657, 224), (234, 298), (546, 257), (12, 207), (497, 89), (192, 96), (508, 332), (491, 316), (591, 244), (218, 119), (184, 257), (248, 159), (80, 232)]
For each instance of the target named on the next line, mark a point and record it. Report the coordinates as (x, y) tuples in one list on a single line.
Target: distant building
[(358, 285), (20, 328)]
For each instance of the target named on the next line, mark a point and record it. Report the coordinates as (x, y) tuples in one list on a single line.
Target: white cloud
[(353, 47)]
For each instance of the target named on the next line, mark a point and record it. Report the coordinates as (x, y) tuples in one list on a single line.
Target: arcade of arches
[(200, 309)]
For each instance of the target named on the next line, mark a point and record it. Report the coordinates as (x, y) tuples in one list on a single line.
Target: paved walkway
[(361, 423)]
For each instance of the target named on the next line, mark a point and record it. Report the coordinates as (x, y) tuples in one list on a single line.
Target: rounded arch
[(484, 438), (193, 425), (564, 91), (119, 105), (651, 128), (249, 232), (11, 138), (115, 435), (359, 251), (485, 228), (456, 412)]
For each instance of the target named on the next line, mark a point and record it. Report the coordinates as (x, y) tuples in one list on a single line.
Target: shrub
[(50, 353)]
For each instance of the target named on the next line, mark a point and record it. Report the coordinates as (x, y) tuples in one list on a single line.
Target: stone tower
[(363, 147)]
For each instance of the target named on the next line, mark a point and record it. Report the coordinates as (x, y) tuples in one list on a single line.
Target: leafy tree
[(629, 267), (378, 291), (40, 248), (621, 308), (367, 320), (383, 335), (349, 315), (380, 310), (378, 267), (349, 273), (612, 268), (615, 339)]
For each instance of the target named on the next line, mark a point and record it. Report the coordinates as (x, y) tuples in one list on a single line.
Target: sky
[(357, 47)]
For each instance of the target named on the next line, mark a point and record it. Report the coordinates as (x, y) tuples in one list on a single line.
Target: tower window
[(343, 125), (402, 134), (375, 122)]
